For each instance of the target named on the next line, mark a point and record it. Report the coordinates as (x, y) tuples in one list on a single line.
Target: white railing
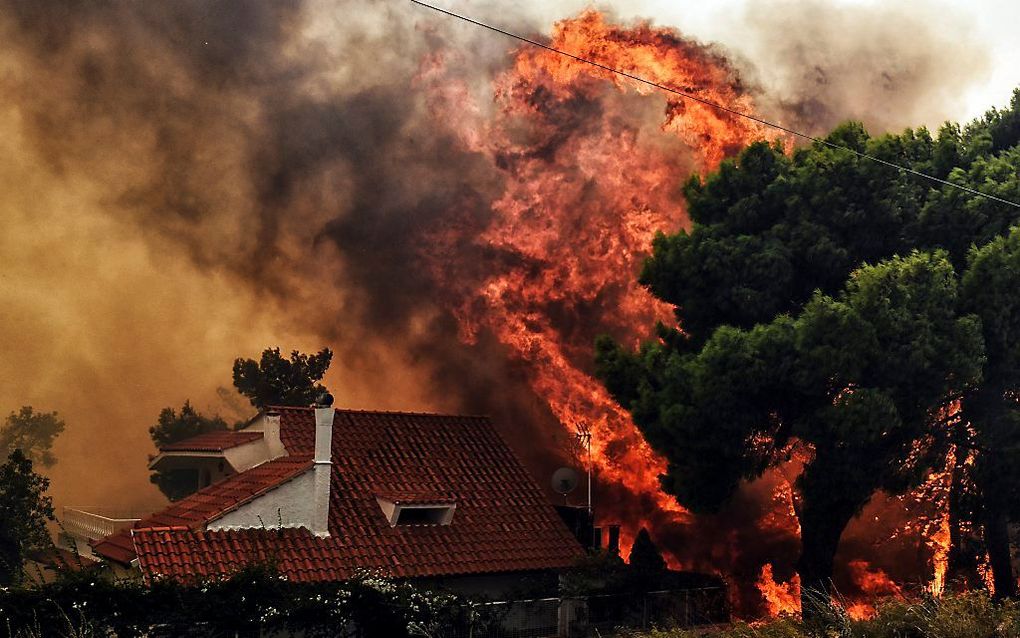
[(95, 523)]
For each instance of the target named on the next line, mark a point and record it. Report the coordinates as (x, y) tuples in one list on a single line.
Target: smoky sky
[(218, 134), (182, 183)]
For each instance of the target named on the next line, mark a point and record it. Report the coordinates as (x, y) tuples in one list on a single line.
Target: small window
[(420, 510), (424, 515)]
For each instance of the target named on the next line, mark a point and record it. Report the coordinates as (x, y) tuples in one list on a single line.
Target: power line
[(716, 105)]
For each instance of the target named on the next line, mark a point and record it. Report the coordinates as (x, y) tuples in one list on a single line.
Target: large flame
[(587, 188), (586, 183)]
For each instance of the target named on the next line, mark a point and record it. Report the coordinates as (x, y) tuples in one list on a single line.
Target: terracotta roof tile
[(185, 554), (212, 441), (198, 508), (503, 521)]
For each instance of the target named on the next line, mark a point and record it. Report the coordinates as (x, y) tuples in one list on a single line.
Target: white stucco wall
[(292, 504), (269, 447), (303, 501), (246, 456)]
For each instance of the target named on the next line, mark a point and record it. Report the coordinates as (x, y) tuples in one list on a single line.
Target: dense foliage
[(31, 432), (255, 599), (173, 426), (24, 511), (855, 377), (274, 380), (820, 310)]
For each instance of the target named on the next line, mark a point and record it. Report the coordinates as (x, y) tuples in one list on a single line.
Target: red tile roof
[(195, 510), (411, 497), (212, 441), (503, 521), (61, 559), (184, 554)]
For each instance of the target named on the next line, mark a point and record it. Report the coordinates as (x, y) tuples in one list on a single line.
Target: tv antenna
[(584, 440)]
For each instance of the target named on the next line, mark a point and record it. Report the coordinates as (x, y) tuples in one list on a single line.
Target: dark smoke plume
[(186, 182)]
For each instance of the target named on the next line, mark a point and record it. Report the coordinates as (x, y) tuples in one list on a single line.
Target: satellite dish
[(564, 480)]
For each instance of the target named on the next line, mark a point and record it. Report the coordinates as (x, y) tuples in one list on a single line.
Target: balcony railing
[(95, 523)]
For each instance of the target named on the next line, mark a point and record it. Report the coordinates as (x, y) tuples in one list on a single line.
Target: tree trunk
[(820, 531), (962, 566), (996, 526), (991, 468)]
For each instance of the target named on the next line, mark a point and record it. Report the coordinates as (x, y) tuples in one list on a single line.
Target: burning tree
[(992, 411), (777, 353), (854, 378)]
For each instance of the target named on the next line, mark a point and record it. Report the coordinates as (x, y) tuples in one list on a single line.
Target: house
[(324, 493)]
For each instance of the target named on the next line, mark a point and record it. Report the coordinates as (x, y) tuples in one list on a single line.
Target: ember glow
[(874, 585)]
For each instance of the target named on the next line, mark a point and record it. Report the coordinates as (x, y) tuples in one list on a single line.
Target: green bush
[(252, 600)]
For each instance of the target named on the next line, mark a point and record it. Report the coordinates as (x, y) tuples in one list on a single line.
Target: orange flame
[(587, 187), (873, 584), (583, 184), (940, 556), (780, 598)]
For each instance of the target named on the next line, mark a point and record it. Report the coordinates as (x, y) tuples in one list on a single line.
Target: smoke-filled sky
[(838, 33), (984, 27), (187, 182)]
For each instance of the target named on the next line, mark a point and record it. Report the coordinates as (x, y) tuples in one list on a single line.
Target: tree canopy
[(173, 426), (275, 380), (819, 308), (31, 432), (272, 380), (26, 509), (645, 557)]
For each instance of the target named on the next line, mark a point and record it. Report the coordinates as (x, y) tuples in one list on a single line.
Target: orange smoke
[(588, 187)]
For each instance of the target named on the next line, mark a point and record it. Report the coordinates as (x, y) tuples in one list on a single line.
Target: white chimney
[(271, 435), (323, 469), (324, 434)]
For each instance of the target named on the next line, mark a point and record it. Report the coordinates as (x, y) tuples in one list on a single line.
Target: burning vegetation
[(555, 262), (586, 191), (482, 233)]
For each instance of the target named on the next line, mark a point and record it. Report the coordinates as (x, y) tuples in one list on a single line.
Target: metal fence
[(667, 609), (515, 619)]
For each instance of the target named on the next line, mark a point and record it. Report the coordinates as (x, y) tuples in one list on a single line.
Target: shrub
[(969, 615), (252, 600)]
